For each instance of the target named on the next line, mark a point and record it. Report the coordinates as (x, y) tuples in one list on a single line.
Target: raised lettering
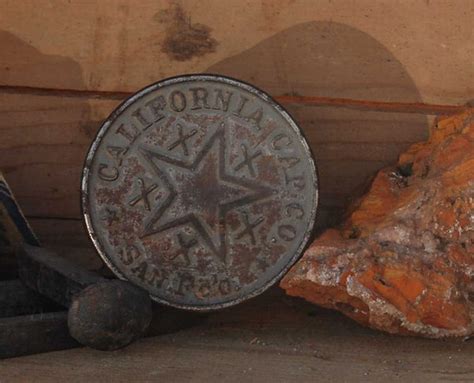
[(222, 101), (129, 254), (199, 98), (257, 118), (243, 101), (281, 141), (224, 287), (287, 232), (185, 284), (177, 101), (108, 173), (130, 134), (289, 161), (116, 153), (156, 106), (204, 290), (140, 118), (141, 270), (155, 277), (294, 210), (297, 181)]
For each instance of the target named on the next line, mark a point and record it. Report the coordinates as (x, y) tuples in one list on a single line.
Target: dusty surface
[(58, 84), (125, 45), (403, 262), (269, 339)]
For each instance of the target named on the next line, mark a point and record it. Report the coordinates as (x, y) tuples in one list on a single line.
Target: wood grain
[(64, 68), (365, 105), (45, 140), (408, 51), (57, 83), (268, 339)]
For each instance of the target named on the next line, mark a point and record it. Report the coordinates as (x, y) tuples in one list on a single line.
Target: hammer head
[(109, 315)]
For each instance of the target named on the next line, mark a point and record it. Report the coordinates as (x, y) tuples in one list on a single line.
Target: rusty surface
[(200, 189), (109, 315), (55, 277), (103, 314)]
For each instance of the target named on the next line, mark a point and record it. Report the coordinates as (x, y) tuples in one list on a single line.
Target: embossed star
[(200, 193)]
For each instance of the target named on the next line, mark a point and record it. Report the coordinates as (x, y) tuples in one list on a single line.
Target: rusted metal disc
[(201, 189)]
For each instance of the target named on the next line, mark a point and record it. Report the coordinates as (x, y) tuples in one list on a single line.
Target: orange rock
[(403, 261)]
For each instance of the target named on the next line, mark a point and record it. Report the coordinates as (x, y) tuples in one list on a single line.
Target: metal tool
[(103, 314), (30, 323)]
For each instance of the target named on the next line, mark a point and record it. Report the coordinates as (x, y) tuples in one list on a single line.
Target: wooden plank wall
[(65, 65)]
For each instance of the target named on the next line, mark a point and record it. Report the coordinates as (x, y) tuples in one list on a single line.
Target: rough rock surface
[(403, 261)]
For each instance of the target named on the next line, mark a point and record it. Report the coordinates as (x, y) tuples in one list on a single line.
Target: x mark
[(182, 139), (143, 194), (249, 227), (248, 160)]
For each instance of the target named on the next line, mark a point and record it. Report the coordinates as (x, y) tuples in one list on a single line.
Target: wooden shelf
[(272, 338)]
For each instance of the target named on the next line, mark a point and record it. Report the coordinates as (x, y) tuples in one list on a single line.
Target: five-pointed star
[(201, 192)]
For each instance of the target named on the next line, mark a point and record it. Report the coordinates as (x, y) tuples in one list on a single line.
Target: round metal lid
[(200, 189)]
